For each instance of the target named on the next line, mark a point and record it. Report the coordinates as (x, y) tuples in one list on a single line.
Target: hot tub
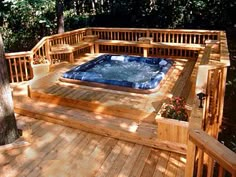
[(120, 72)]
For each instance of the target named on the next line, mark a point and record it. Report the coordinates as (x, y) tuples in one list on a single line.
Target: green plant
[(175, 109)]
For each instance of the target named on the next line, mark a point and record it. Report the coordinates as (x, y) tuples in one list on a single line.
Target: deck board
[(57, 150)]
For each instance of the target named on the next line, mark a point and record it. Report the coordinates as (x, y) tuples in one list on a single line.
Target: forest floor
[(228, 133)]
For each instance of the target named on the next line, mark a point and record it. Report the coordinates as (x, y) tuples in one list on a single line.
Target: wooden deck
[(57, 150), (139, 107), (118, 114)]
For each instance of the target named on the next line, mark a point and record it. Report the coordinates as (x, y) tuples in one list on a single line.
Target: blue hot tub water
[(121, 70)]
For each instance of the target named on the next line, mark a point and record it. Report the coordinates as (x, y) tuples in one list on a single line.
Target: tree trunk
[(60, 16), (8, 128)]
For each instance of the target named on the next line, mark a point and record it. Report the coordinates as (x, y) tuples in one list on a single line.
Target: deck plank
[(58, 151), (130, 162), (120, 161), (161, 164), (108, 163), (140, 162), (150, 164)]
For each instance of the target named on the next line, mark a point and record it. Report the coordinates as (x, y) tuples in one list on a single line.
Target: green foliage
[(175, 109), (25, 22)]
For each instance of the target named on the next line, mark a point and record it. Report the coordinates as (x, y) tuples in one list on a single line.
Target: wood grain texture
[(62, 151)]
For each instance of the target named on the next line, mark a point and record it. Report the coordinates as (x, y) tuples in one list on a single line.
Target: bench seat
[(69, 49), (152, 44), (148, 44)]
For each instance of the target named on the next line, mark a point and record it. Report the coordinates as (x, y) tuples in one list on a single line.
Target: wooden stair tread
[(71, 114), (106, 125)]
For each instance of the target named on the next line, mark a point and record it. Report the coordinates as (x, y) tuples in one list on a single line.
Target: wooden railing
[(159, 35), (163, 36), (214, 159), (19, 62), (21, 72), (202, 159), (71, 37), (19, 66), (205, 155)]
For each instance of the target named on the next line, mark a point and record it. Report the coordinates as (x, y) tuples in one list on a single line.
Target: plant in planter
[(40, 60), (175, 109), (40, 66)]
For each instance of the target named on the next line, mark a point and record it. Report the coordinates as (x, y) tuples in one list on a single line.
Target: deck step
[(106, 125)]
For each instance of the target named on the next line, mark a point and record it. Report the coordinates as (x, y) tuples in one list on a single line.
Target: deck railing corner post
[(190, 158)]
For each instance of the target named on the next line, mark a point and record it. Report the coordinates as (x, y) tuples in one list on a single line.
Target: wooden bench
[(88, 41), (146, 43), (69, 49)]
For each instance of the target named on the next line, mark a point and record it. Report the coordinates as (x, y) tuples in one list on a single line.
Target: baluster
[(200, 163), (181, 38), (21, 70), (194, 39), (161, 37), (11, 73), (165, 40), (221, 172), (16, 70), (177, 38), (210, 167), (186, 38)]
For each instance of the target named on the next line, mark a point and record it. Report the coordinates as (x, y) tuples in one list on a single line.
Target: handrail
[(15, 54), (39, 44), (154, 29), (67, 33), (220, 153)]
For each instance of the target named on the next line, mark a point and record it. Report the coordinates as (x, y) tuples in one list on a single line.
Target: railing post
[(96, 48), (189, 168), (47, 49), (31, 60), (88, 31), (145, 52)]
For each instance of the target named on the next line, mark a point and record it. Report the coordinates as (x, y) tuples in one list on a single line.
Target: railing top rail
[(18, 54), (67, 33), (214, 148), (41, 42), (153, 29)]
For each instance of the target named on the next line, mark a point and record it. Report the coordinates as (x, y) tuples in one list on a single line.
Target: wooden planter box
[(172, 130), (40, 70)]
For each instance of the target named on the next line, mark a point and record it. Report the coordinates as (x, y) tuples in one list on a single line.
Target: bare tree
[(8, 128)]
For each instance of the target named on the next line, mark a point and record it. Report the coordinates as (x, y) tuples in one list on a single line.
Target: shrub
[(175, 109)]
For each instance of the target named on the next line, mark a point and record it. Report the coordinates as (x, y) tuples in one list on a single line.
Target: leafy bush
[(175, 109)]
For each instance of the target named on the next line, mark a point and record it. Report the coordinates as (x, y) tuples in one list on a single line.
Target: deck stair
[(106, 125)]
